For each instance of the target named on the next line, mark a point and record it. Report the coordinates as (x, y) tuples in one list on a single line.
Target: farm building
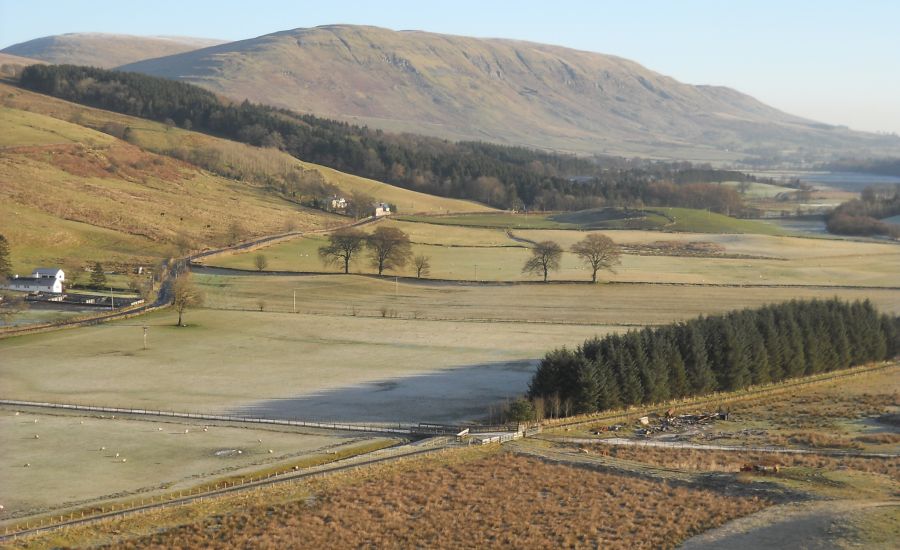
[(43, 279), (339, 203), (382, 210)]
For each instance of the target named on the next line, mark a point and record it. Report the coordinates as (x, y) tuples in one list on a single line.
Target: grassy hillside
[(504, 91), (104, 50), (237, 160), (72, 193)]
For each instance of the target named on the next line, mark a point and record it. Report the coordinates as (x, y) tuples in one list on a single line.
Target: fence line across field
[(405, 428)]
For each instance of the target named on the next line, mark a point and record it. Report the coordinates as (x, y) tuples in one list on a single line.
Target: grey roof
[(47, 270), (40, 281)]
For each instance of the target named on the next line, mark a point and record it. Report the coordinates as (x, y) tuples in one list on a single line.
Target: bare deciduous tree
[(260, 262), (185, 294), (544, 258), (422, 264), (342, 246), (389, 248), (598, 252)]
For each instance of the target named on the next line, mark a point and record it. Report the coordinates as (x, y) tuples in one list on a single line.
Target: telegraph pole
[(146, 337), (295, 300)]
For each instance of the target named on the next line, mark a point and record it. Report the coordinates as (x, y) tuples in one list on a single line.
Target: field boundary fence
[(717, 398)]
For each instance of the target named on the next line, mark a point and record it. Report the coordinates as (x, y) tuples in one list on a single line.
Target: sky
[(831, 61)]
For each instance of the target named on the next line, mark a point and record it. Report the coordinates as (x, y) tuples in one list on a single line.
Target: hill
[(104, 50), (503, 91), (71, 192)]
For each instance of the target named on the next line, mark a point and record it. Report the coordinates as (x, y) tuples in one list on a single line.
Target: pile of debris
[(674, 423), (765, 469)]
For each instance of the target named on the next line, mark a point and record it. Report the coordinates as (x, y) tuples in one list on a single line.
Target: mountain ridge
[(512, 92), (105, 50)]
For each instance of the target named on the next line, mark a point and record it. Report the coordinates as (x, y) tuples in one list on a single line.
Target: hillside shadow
[(445, 396)]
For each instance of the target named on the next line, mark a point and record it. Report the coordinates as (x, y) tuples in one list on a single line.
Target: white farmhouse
[(49, 273), (43, 279), (382, 210)]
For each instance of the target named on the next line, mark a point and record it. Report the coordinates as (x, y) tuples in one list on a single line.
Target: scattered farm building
[(382, 210), (339, 203), (43, 279)]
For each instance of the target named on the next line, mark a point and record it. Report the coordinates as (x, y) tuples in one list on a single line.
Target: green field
[(68, 470), (469, 253), (663, 219), (349, 331)]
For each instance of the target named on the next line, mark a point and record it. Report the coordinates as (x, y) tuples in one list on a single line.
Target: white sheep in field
[(28, 465), (35, 420), (124, 459), (102, 448), (36, 436), (205, 428), (186, 430), (271, 451), (259, 440), (159, 429), (117, 455), (17, 413)]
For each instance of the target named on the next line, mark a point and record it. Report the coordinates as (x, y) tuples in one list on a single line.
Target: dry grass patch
[(500, 501), (696, 460)]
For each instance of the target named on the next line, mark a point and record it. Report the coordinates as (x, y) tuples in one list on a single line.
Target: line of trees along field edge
[(717, 353)]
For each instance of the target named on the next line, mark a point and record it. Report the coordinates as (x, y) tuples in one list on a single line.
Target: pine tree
[(98, 278), (700, 374), (587, 393), (608, 394)]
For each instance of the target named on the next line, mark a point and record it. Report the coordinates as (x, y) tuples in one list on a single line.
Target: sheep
[(17, 413), (186, 430), (271, 451), (117, 455), (82, 421), (240, 452), (102, 448), (159, 429), (35, 420), (205, 429), (36, 436), (124, 459), (259, 440), (28, 465)]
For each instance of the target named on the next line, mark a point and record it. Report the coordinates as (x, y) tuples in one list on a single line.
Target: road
[(169, 271)]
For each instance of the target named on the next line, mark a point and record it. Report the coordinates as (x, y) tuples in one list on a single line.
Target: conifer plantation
[(717, 353)]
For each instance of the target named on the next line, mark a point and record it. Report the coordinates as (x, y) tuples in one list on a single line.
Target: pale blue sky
[(832, 61)]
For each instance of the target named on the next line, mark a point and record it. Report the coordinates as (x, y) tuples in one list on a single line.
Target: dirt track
[(808, 525)]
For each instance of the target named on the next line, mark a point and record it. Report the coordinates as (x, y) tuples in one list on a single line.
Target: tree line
[(864, 216), (501, 176), (717, 353)]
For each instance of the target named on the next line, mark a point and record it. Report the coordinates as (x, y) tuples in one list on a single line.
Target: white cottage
[(43, 279)]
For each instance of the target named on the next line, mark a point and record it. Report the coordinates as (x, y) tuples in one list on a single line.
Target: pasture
[(67, 468), (359, 348), (653, 218), (477, 253)]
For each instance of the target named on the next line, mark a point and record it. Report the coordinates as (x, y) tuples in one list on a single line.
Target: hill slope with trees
[(503, 91), (506, 177)]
